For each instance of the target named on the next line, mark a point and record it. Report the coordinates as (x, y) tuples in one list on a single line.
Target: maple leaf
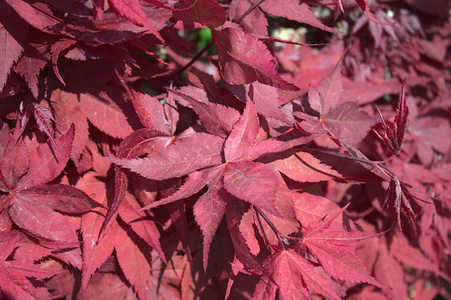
[(138, 272), (398, 197), (295, 276), (34, 59), (385, 267), (394, 133), (339, 119), (200, 157), (13, 33), (255, 22), (107, 286), (209, 210), (68, 112), (217, 119), (138, 143), (122, 236), (31, 203), (57, 48), (132, 11), (35, 17), (265, 99), (294, 10), (180, 158), (105, 114), (16, 272), (329, 245), (302, 167), (245, 59), (364, 6), (205, 12), (94, 254), (153, 116)]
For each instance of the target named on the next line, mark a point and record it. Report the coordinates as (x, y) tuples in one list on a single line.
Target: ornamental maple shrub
[(225, 149)]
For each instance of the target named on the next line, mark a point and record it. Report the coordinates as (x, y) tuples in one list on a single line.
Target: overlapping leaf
[(244, 59), (338, 117), (327, 242), (32, 203), (295, 277)]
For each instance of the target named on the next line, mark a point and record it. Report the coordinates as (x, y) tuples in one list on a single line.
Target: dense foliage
[(204, 149)]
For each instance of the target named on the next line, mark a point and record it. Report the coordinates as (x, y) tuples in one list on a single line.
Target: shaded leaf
[(394, 133), (209, 211), (205, 12), (13, 36), (253, 182), (61, 197), (217, 119), (132, 11), (40, 221), (45, 164), (105, 115), (133, 263), (294, 10)]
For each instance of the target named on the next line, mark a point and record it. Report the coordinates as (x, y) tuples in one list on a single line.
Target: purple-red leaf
[(95, 254), (330, 90), (348, 123), (13, 36), (184, 156), (68, 112), (47, 163), (15, 273), (244, 59), (133, 263), (193, 184), (294, 10), (31, 63), (206, 12), (209, 210), (15, 163), (140, 223), (303, 167), (253, 182), (243, 134), (106, 115), (60, 197), (35, 18), (217, 119), (394, 133), (132, 11), (266, 102), (41, 221), (150, 112), (295, 277)]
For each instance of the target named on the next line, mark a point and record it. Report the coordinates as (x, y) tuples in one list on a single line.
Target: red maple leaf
[(335, 117), (201, 157), (31, 203), (328, 243), (245, 59), (20, 277), (295, 276), (206, 12), (394, 133)]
